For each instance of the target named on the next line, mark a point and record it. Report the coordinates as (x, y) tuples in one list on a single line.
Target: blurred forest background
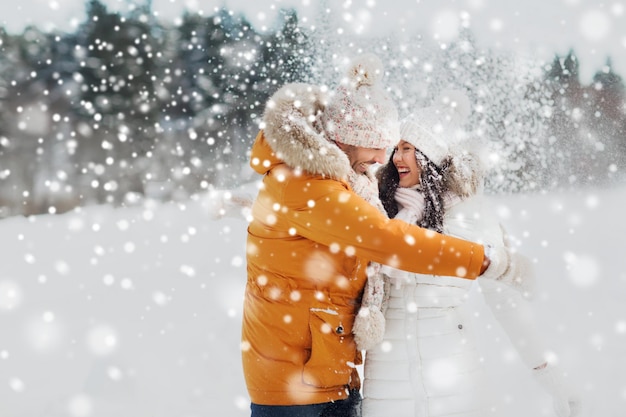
[(127, 108)]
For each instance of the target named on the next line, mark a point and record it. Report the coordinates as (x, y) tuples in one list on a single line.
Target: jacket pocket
[(333, 351)]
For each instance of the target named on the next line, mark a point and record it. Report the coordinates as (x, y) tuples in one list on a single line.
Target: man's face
[(362, 158)]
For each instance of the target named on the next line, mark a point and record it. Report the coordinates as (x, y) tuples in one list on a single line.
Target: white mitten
[(520, 274), (499, 262), (368, 328), (566, 403), (511, 268)]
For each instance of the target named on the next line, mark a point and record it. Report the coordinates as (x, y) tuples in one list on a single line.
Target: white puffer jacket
[(428, 364)]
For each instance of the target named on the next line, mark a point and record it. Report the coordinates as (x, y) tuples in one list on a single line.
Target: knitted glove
[(566, 403)]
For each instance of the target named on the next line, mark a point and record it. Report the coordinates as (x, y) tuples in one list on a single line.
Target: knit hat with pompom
[(360, 112), (432, 130)]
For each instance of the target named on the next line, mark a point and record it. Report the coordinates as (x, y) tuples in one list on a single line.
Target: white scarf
[(411, 210), (411, 203)]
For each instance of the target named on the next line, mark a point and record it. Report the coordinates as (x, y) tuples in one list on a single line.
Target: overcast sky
[(595, 29)]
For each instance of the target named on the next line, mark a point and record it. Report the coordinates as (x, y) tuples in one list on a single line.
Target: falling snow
[(135, 310), (137, 333)]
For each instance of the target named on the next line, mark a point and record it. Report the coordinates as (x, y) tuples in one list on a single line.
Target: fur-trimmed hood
[(293, 129), (465, 174)]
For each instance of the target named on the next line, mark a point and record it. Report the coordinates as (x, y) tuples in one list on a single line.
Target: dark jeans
[(350, 407)]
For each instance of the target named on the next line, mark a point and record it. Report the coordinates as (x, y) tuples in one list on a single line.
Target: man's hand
[(485, 265), (495, 263)]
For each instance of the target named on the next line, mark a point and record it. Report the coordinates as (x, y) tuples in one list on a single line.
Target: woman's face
[(406, 164)]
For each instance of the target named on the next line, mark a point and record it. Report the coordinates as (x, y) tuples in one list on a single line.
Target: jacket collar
[(294, 134)]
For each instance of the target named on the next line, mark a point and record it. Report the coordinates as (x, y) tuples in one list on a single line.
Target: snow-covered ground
[(136, 312)]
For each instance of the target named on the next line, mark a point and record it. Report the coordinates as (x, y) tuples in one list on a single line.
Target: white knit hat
[(360, 112), (433, 129)]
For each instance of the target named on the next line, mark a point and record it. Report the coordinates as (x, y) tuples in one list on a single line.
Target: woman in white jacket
[(421, 361)]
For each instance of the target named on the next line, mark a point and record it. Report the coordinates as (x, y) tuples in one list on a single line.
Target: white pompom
[(368, 328), (366, 69)]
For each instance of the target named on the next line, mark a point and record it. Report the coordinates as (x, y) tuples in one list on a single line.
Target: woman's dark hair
[(388, 183), (431, 184)]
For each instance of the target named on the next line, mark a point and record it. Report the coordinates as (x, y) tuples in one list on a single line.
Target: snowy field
[(136, 312)]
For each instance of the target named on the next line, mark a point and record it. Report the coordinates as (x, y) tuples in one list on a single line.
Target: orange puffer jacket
[(308, 246)]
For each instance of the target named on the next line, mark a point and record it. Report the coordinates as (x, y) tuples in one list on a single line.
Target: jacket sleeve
[(340, 219), (514, 313)]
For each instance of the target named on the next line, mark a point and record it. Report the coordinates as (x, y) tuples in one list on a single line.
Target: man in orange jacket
[(314, 235)]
